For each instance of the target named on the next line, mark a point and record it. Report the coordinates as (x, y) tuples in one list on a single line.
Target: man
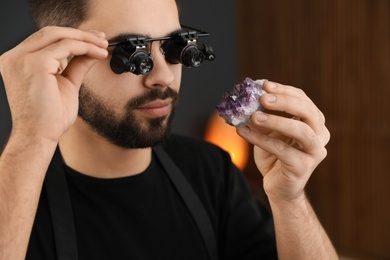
[(124, 202)]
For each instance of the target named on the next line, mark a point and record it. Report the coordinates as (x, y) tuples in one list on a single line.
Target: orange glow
[(225, 136)]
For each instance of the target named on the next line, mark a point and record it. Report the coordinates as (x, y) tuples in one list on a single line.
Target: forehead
[(153, 18)]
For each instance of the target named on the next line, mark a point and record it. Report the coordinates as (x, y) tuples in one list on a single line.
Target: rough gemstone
[(237, 107)]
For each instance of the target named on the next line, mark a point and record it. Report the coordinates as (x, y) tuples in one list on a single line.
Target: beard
[(126, 131)]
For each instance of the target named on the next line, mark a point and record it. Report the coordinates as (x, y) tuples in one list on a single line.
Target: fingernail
[(104, 51), (261, 117), (244, 130), (270, 98), (272, 85)]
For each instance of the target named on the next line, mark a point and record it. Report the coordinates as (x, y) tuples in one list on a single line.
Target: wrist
[(32, 137), (29, 142), (294, 203)]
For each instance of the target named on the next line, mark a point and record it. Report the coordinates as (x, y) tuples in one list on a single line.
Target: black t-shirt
[(143, 217)]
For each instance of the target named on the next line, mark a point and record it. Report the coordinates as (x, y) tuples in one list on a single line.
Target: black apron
[(62, 215)]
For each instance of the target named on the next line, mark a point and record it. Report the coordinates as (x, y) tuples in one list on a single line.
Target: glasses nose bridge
[(153, 46)]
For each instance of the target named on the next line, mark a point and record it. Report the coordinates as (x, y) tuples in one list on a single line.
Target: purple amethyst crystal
[(236, 108)]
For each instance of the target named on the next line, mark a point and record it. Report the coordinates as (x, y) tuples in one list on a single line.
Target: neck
[(88, 153)]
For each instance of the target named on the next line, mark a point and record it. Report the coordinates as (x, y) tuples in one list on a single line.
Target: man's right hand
[(42, 78)]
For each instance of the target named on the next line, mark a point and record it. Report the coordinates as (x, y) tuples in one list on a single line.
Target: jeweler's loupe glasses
[(133, 54)]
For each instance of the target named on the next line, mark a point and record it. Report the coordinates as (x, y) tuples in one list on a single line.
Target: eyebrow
[(119, 38)]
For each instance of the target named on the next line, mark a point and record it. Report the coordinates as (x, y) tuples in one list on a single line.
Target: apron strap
[(61, 210), (62, 214), (192, 202)]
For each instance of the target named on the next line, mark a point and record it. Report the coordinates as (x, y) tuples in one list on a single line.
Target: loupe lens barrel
[(192, 56)]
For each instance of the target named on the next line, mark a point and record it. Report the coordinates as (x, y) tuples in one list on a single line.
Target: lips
[(156, 108)]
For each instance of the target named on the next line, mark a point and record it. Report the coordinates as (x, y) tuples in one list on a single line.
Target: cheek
[(177, 71), (102, 80)]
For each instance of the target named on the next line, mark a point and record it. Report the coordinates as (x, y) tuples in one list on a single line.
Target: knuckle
[(48, 29), (320, 153), (44, 31), (327, 136), (301, 92), (321, 117), (283, 147), (324, 153), (298, 92), (314, 143), (307, 131)]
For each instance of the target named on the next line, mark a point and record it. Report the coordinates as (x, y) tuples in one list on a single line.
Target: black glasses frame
[(190, 33), (130, 53)]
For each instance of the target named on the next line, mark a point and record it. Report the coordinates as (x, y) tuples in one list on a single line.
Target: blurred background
[(337, 51)]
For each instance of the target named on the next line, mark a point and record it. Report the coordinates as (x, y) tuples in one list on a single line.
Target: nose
[(162, 74)]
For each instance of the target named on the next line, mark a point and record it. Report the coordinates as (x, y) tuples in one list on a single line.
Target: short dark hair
[(66, 13)]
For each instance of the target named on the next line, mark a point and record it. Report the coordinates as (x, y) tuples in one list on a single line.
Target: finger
[(288, 129), (285, 90), (295, 106), (277, 88), (77, 69), (294, 102), (291, 100), (295, 160), (52, 57), (69, 48), (52, 34), (285, 152)]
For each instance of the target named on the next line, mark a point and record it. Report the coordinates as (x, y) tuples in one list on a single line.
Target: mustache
[(151, 95)]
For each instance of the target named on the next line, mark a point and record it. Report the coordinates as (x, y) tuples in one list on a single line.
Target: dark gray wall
[(14, 27), (201, 88)]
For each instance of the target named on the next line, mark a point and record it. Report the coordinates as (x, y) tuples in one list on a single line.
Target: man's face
[(128, 110)]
